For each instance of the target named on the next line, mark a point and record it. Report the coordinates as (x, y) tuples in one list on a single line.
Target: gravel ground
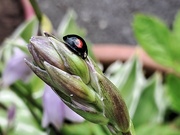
[(109, 21)]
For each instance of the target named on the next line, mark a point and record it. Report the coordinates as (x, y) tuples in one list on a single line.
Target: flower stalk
[(32, 105), (79, 83)]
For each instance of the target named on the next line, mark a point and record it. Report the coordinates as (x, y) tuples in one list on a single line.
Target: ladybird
[(76, 44)]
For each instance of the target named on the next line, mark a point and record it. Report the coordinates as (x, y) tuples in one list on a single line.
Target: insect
[(76, 44)]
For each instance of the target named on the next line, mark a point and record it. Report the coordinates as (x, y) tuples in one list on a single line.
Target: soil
[(11, 15)]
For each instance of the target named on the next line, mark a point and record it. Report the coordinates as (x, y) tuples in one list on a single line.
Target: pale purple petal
[(71, 115), (16, 69), (53, 109), (45, 119), (11, 113)]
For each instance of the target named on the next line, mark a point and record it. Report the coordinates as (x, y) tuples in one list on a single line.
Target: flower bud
[(66, 81), (73, 63), (42, 50), (115, 107), (79, 82)]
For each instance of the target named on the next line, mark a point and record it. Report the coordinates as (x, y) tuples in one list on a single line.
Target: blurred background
[(109, 21), (106, 21)]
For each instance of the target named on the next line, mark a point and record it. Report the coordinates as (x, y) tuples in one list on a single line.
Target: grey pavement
[(109, 21)]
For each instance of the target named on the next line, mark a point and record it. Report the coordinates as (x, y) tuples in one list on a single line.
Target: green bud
[(90, 108), (73, 85), (73, 63), (115, 107), (39, 72), (89, 114), (42, 50), (80, 83)]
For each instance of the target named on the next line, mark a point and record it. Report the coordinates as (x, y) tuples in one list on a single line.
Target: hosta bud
[(43, 50), (115, 107), (73, 63), (67, 74), (79, 82)]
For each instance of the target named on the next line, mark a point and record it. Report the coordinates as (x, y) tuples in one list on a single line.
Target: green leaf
[(151, 106), (24, 122), (173, 91), (154, 37), (3, 119), (24, 129), (175, 42), (36, 84), (25, 30), (1, 132), (19, 38), (85, 128), (158, 41), (176, 25), (144, 98), (156, 129), (69, 25), (46, 24), (129, 80), (30, 29)]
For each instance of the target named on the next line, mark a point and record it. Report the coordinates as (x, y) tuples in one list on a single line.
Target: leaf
[(46, 24), (129, 80), (176, 122), (30, 28), (114, 71), (173, 85), (85, 128), (3, 119), (24, 122), (158, 41), (156, 129), (149, 109), (36, 84), (69, 25), (19, 38), (176, 25), (154, 37), (175, 42), (24, 129), (144, 98)]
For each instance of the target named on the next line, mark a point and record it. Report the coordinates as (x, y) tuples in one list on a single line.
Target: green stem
[(38, 120), (36, 9), (131, 130), (53, 131), (106, 130), (1, 131), (30, 102), (27, 96), (2, 106), (128, 133)]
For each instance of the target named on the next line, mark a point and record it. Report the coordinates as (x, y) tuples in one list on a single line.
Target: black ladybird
[(76, 44)]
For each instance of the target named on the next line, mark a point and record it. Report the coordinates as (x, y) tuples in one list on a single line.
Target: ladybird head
[(76, 44)]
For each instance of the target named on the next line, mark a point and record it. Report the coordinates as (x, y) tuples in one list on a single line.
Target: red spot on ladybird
[(79, 43)]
